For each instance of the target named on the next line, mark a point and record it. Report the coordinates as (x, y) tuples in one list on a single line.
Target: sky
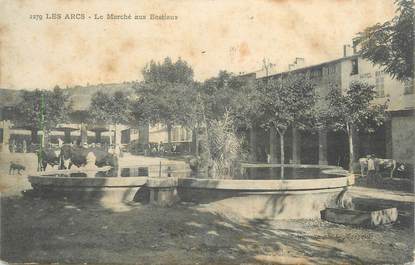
[(232, 35)]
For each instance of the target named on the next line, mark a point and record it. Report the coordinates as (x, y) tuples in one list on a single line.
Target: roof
[(312, 66)]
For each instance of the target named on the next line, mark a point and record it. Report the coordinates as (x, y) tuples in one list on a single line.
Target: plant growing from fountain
[(353, 111)]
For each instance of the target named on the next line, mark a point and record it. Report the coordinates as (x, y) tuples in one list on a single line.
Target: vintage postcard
[(207, 132)]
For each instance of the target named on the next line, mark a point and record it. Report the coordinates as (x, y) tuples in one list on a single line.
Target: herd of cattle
[(67, 156)]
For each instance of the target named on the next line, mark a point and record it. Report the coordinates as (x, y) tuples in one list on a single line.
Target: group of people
[(18, 146), (160, 148), (373, 165)]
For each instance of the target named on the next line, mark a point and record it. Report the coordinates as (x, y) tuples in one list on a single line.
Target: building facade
[(395, 139)]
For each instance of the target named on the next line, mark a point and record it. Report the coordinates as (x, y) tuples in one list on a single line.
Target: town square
[(281, 135)]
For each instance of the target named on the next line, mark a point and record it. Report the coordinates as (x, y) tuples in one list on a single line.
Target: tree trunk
[(195, 143), (252, 144), (204, 151), (45, 137), (351, 147), (282, 154)]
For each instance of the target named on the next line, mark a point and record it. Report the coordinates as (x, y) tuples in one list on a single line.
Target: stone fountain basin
[(266, 199), (114, 189), (269, 199)]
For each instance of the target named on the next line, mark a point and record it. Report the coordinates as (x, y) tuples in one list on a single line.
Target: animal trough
[(373, 217)]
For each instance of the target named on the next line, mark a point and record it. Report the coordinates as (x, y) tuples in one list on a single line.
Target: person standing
[(24, 146), (60, 142)]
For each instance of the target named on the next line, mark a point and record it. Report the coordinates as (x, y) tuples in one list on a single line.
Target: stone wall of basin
[(273, 199)]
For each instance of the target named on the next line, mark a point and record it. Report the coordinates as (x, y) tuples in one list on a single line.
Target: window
[(355, 67), (332, 69), (380, 84), (316, 73), (325, 71), (409, 86)]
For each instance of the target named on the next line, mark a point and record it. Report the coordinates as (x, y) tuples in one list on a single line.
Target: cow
[(77, 156), (380, 163), (48, 156)]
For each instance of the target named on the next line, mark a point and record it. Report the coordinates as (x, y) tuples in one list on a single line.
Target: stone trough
[(360, 217)]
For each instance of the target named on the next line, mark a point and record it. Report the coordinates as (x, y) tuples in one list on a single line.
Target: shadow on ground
[(50, 230)]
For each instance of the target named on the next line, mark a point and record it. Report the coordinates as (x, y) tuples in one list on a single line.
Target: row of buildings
[(395, 139)]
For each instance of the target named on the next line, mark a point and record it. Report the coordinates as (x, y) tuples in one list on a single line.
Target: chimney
[(347, 51), (299, 62), (355, 42)]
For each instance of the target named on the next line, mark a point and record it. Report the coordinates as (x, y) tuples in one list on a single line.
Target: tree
[(391, 44), (110, 109), (44, 110), (352, 112), (219, 94), (287, 102), (168, 72), (166, 95)]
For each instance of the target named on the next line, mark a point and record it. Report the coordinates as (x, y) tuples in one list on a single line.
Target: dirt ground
[(59, 231)]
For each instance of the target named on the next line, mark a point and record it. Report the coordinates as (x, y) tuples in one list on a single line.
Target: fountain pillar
[(90, 168), (322, 147), (296, 147)]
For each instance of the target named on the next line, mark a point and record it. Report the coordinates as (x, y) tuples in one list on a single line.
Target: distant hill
[(80, 95), (9, 97)]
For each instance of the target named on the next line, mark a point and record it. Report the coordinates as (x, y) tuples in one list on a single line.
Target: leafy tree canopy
[(112, 109), (222, 94), (167, 94), (168, 72), (288, 101), (44, 108), (354, 108), (391, 44)]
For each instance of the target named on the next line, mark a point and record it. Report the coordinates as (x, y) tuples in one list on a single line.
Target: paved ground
[(51, 230)]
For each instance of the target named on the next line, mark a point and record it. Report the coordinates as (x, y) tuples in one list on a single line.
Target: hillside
[(80, 95)]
